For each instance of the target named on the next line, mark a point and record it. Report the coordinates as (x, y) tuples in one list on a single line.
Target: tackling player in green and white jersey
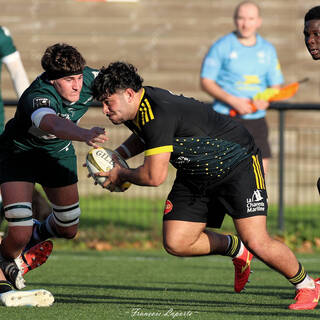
[(36, 147)]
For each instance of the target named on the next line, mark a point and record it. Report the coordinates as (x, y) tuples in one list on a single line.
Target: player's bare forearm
[(153, 172), (67, 130), (131, 147), (215, 91)]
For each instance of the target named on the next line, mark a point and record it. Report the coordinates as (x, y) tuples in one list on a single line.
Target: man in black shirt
[(219, 170)]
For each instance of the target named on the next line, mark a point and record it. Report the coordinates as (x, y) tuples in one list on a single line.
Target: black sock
[(234, 246), (5, 286), (299, 277)]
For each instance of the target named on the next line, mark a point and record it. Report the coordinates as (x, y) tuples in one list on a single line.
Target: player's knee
[(20, 223), (256, 244), (66, 219), (19, 214), (176, 247)]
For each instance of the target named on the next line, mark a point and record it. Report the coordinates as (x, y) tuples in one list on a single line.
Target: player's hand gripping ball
[(101, 159)]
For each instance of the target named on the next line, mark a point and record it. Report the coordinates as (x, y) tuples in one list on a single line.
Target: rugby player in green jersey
[(219, 170), (36, 147), (312, 38)]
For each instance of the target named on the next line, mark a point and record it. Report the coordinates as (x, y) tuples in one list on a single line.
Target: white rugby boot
[(31, 298)]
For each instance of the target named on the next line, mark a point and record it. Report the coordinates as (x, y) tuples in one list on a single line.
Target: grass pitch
[(154, 285)]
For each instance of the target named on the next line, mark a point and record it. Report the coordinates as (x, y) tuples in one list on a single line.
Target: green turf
[(154, 285)]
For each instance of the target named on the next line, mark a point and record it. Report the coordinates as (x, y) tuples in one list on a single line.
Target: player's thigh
[(16, 191), (63, 196), (60, 183), (58, 172), (185, 214), (181, 233), (185, 202), (17, 198)]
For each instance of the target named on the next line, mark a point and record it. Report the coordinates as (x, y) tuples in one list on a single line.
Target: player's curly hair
[(61, 59), (313, 14), (117, 76)]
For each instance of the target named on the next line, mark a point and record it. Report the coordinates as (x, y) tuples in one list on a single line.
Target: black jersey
[(202, 142)]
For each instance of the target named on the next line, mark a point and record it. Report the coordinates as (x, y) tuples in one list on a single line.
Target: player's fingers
[(107, 184), (102, 174)]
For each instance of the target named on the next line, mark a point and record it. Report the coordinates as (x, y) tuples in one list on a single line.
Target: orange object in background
[(283, 93)]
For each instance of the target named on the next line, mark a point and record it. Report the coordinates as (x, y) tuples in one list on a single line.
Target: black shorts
[(37, 168), (241, 194), (259, 130)]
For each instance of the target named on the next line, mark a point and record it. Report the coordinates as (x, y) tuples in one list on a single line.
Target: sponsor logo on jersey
[(40, 103), (261, 57), (255, 203), (182, 160), (168, 207), (64, 115)]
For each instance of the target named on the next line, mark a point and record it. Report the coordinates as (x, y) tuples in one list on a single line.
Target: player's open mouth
[(314, 51)]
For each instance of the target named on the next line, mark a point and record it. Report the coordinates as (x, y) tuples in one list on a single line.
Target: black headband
[(61, 74)]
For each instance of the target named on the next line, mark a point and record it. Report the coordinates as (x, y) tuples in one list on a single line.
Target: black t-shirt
[(202, 142)]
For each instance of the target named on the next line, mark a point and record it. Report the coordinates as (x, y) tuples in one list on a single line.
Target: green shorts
[(36, 167)]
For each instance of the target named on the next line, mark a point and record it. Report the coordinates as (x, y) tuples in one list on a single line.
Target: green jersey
[(21, 134), (6, 48)]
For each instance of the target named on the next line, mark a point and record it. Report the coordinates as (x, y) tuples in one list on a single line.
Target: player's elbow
[(202, 84), (155, 180), (205, 84)]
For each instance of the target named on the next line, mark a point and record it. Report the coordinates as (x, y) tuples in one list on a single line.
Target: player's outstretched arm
[(67, 130)]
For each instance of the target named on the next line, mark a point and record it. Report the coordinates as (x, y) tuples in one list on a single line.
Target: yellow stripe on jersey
[(146, 112), (158, 150), (149, 109), (136, 119), (258, 174)]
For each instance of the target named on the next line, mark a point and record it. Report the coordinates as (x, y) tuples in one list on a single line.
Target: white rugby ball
[(100, 159)]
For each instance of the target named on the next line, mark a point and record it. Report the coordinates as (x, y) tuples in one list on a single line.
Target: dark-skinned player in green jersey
[(312, 38)]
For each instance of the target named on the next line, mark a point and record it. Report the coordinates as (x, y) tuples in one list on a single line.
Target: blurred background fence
[(167, 40)]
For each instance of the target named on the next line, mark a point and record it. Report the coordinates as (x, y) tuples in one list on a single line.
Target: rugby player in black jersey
[(219, 170), (312, 38)]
